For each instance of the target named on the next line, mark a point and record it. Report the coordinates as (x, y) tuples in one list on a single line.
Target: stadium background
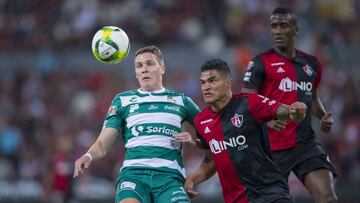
[(54, 94)]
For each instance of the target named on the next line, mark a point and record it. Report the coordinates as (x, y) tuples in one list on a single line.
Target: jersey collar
[(150, 92)]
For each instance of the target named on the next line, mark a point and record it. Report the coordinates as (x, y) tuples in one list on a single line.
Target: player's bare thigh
[(320, 184)]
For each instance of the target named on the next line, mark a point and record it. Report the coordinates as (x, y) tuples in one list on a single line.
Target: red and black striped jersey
[(286, 80), (240, 149)]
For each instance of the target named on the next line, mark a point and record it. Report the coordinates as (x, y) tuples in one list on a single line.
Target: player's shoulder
[(258, 59), (307, 55), (127, 93), (267, 52), (173, 92), (203, 115), (125, 96), (241, 95)]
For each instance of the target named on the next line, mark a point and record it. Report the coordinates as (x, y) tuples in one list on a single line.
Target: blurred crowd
[(50, 118)]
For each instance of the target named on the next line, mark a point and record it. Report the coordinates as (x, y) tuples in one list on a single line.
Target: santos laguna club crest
[(237, 120)]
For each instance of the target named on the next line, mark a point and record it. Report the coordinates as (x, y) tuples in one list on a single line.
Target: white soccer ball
[(110, 45)]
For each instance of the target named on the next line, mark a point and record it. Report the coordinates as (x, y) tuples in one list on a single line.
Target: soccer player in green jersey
[(153, 168)]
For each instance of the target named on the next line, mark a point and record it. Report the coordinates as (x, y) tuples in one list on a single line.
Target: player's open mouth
[(146, 78), (279, 39)]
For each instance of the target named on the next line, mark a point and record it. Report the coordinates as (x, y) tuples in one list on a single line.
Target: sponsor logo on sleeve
[(250, 65), (272, 102), (247, 76), (128, 184), (112, 110), (267, 100)]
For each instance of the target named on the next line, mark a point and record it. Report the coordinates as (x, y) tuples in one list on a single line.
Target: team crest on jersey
[(112, 110), (237, 120), (308, 70), (170, 98)]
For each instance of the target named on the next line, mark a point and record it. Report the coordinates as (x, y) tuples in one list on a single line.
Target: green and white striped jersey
[(148, 122)]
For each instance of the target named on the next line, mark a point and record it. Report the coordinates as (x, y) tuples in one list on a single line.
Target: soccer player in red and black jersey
[(232, 129), (287, 75)]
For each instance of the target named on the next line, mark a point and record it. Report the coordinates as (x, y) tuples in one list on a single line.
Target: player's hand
[(184, 137), (298, 111), (276, 124), (189, 187), (326, 122), (80, 164)]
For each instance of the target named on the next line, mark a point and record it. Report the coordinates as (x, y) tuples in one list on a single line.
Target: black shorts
[(304, 158), (283, 201)]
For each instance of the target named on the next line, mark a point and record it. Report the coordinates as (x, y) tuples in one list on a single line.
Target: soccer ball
[(110, 45)]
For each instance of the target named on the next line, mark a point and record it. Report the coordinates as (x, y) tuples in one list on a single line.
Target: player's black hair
[(152, 49), (217, 64), (285, 10)]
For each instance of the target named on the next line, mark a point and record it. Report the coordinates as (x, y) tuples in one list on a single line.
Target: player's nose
[(144, 70)]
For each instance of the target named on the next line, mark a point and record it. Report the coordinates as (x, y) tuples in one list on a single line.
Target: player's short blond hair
[(154, 50)]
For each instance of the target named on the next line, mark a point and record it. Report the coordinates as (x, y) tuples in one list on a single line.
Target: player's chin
[(208, 100), (281, 45), (146, 84)]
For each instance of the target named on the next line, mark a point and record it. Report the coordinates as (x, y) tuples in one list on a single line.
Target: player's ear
[(229, 83), (297, 30), (162, 67)]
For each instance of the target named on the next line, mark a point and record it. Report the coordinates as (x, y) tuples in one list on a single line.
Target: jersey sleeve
[(318, 76), (202, 141), (192, 110), (113, 117), (262, 108), (198, 135), (255, 74)]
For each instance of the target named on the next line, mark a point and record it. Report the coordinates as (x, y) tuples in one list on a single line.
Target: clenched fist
[(297, 111)]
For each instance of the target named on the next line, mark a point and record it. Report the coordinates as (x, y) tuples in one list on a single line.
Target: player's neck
[(288, 52), (217, 106), (152, 89)]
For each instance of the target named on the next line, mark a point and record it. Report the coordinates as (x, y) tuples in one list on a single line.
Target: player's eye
[(284, 25), (150, 63), (273, 25), (138, 65)]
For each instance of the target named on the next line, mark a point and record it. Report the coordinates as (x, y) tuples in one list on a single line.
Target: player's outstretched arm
[(296, 111), (204, 172), (185, 137), (96, 151)]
